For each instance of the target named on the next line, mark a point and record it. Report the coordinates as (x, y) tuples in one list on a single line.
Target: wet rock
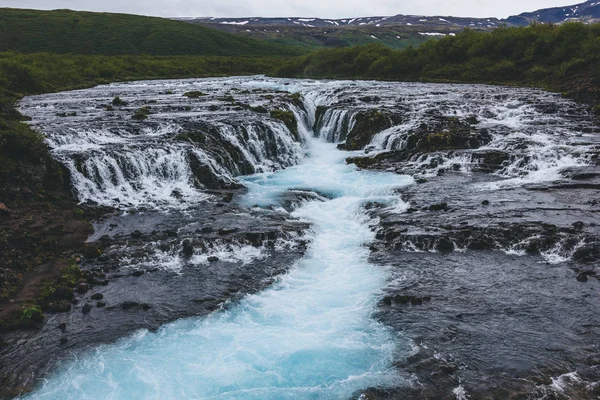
[(401, 299), (137, 273), (207, 229), (583, 276), (62, 326), (99, 282), (97, 296), (445, 245), (187, 249), (91, 252), (227, 231), (86, 308), (385, 302), (62, 293), (82, 288), (368, 124), (485, 203), (100, 304), (213, 258), (587, 253), (439, 207), (136, 234), (59, 306), (64, 341), (127, 305)]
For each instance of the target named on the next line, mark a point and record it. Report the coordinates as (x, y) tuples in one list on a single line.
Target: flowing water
[(318, 331), (310, 336)]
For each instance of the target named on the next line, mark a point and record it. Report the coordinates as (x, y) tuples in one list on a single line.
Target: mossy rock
[(118, 102), (259, 109), (368, 124), (196, 137), (288, 118), (31, 317), (141, 113), (194, 94)]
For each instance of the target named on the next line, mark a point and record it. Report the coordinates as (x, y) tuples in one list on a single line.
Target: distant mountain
[(406, 20), (588, 12), (396, 31)]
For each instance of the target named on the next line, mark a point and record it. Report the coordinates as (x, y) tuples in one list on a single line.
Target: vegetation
[(561, 58), (73, 32), (194, 94)]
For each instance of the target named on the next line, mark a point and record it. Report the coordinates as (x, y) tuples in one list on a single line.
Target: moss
[(259, 109), (141, 113), (227, 99), (194, 94), (31, 316), (196, 137), (288, 118), (296, 99), (117, 102)]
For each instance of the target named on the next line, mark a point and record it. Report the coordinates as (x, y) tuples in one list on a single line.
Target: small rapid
[(309, 336)]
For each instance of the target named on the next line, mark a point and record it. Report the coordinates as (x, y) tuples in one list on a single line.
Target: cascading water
[(308, 337), (311, 334)]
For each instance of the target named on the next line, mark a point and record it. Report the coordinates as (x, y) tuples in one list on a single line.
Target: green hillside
[(563, 58), (72, 32)]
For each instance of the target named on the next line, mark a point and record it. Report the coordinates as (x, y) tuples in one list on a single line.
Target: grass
[(74, 32)]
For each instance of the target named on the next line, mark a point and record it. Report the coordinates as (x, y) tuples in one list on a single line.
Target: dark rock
[(213, 258), (444, 245), (485, 203), (228, 198), (137, 273), (97, 296), (100, 304), (207, 229), (416, 301), (59, 306), (187, 249), (386, 301), (62, 293), (91, 252), (400, 299), (127, 305), (587, 253), (578, 225), (136, 234), (227, 231), (64, 341), (439, 207), (99, 282), (582, 278), (86, 308), (62, 326), (82, 288)]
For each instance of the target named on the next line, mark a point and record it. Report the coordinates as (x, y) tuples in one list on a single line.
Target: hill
[(398, 31), (71, 32), (584, 12)]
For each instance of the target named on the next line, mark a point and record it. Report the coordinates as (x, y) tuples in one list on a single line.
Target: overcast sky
[(297, 8)]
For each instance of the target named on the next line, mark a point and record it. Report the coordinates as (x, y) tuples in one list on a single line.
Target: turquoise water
[(309, 336)]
